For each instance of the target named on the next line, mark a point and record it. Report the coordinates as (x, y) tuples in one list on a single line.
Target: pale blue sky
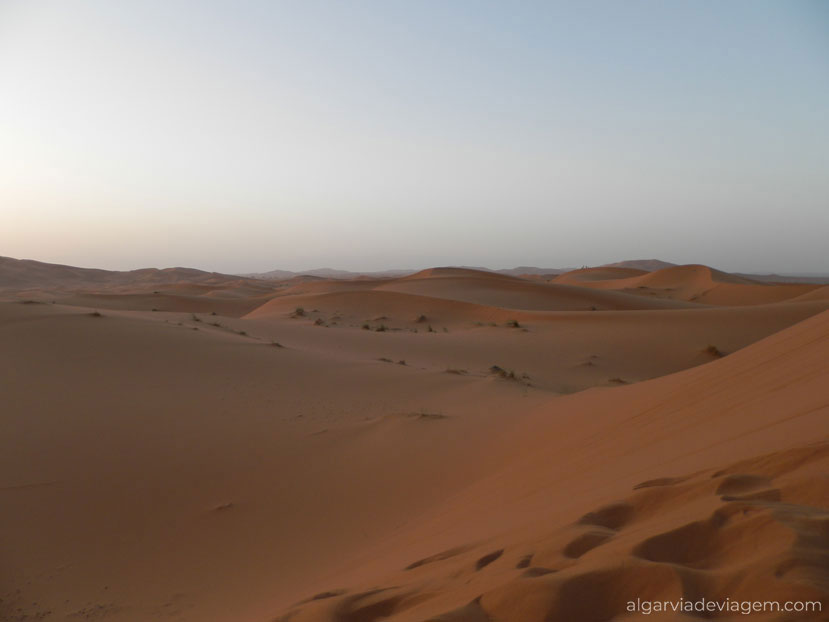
[(246, 136)]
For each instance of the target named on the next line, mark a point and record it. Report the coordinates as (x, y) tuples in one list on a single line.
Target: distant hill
[(331, 273), (649, 265), (325, 273), (23, 274)]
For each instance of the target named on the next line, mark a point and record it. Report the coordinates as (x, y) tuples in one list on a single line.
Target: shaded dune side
[(526, 295), (459, 299)]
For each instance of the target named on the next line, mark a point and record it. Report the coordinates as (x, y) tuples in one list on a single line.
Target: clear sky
[(247, 136)]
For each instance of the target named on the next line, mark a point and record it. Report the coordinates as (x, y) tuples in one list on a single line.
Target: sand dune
[(451, 445), (707, 512), (460, 286), (26, 274), (692, 283)]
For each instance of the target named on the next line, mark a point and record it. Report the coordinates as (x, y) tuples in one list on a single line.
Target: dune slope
[(717, 490)]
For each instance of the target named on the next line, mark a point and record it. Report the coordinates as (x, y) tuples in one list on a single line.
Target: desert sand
[(450, 445)]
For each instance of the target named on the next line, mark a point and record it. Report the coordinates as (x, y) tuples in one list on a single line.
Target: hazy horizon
[(247, 137)]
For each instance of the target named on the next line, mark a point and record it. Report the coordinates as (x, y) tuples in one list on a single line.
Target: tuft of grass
[(381, 329), (430, 329), (366, 327), (500, 372), (401, 362), (513, 324), (299, 312), (714, 351), (318, 322), (196, 318), (429, 416), (421, 319)]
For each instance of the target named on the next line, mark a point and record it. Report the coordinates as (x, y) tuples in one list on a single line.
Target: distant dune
[(647, 265), (693, 283), (453, 445), (22, 274)]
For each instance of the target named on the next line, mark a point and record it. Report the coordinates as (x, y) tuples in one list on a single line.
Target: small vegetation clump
[(401, 362), (96, 314), (381, 329), (421, 319), (430, 329), (513, 324), (196, 318), (500, 372), (243, 333), (385, 360), (276, 344), (457, 372), (299, 312), (497, 370), (366, 327), (714, 351), (318, 322), (422, 414)]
